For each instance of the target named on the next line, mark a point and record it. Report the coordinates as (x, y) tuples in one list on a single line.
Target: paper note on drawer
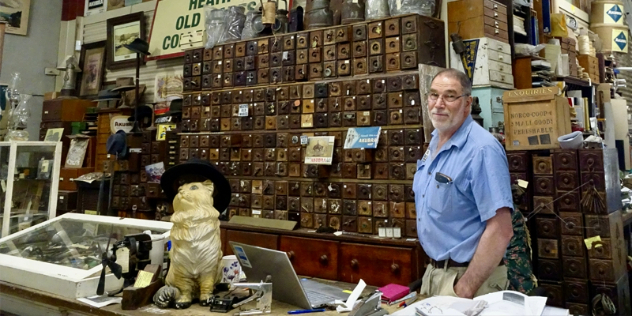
[(590, 241)]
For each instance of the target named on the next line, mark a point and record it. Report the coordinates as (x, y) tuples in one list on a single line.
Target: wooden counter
[(19, 300)]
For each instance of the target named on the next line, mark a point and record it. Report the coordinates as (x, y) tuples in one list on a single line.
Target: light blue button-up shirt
[(451, 217)]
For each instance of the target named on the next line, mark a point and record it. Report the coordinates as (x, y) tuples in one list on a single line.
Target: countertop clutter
[(316, 113)]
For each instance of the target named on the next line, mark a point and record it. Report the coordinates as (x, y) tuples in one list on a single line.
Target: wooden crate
[(535, 118)]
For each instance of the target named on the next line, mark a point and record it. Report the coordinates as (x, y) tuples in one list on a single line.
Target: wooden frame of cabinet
[(347, 258)]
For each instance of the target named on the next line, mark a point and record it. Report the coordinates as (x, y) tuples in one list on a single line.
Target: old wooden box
[(535, 118)]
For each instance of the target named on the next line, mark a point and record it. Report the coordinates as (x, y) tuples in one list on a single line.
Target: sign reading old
[(174, 19)]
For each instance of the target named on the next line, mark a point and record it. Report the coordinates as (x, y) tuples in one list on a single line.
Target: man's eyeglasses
[(433, 97)]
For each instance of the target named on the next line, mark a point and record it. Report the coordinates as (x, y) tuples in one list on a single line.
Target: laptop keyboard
[(318, 298)]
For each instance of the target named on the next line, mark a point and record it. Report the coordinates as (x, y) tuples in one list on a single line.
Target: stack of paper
[(505, 303)]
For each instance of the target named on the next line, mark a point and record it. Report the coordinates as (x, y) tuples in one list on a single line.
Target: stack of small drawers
[(478, 18), (341, 195), (130, 190), (391, 45), (559, 182), (568, 47)]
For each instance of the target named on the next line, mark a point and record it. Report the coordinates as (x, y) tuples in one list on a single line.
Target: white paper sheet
[(348, 305)]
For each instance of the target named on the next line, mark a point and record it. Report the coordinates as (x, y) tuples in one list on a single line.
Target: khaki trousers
[(441, 281)]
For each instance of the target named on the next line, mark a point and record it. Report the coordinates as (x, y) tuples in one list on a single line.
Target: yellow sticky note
[(589, 242), (523, 184), (143, 279), (346, 291)]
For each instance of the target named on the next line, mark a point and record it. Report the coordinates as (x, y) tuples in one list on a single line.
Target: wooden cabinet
[(251, 238), (317, 258), (376, 265), (344, 258)]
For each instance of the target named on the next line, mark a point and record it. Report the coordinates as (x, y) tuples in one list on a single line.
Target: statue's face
[(194, 195)]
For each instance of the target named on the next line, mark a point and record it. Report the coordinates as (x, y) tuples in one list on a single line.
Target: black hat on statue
[(138, 46), (196, 170)]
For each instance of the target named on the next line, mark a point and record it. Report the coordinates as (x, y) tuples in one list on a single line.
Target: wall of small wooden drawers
[(373, 47), (570, 273), (262, 157)]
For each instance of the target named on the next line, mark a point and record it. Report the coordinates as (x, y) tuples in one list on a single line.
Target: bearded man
[(462, 197)]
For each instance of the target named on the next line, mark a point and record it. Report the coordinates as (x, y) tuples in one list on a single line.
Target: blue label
[(615, 13), (362, 137), (469, 57), (621, 41)]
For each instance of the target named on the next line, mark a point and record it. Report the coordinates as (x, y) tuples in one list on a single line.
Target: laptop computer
[(257, 263)]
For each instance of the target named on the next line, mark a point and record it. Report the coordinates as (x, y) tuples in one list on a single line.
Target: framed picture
[(76, 152), (123, 30), (16, 14), (54, 134), (92, 63)]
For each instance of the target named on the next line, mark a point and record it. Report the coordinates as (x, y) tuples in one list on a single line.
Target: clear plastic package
[(214, 24), (353, 11), (423, 7), (248, 31), (376, 9), (234, 20)]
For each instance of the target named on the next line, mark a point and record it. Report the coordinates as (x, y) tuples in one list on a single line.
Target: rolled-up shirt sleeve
[(490, 181)]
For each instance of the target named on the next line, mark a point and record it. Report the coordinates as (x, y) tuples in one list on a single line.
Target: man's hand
[(462, 291), (490, 250)]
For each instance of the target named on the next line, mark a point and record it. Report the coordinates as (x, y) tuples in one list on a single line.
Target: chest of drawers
[(478, 18)]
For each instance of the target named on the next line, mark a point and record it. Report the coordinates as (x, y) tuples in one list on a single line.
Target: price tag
[(285, 54), (304, 140), (243, 110), (44, 166), (523, 184)]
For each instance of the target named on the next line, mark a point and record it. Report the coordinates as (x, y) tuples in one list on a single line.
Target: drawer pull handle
[(354, 263), (495, 14), (496, 32), (324, 259), (495, 6), (290, 254), (395, 268)]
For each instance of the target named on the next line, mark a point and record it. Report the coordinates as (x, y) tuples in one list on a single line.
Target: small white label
[(45, 166), (285, 55), (397, 232), (256, 212), (243, 110), (304, 140), (389, 232)]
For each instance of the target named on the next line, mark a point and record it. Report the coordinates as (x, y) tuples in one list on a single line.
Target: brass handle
[(354, 263), (394, 268), (324, 259)]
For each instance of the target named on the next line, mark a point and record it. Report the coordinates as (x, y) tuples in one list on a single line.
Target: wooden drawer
[(66, 201), (576, 291), (503, 68), (554, 292), (496, 6), (574, 267), (256, 239), (312, 257), (67, 177), (501, 77), (504, 58), (496, 23), (64, 110), (376, 265)]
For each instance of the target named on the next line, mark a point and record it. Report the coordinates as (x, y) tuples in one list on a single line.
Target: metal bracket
[(262, 295)]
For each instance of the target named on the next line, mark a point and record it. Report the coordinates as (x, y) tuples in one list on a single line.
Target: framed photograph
[(77, 152), (16, 14), (54, 134), (123, 30), (92, 63)]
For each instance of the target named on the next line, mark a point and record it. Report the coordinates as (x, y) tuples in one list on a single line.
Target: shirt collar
[(458, 138)]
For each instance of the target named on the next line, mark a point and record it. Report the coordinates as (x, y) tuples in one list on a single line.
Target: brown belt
[(454, 264)]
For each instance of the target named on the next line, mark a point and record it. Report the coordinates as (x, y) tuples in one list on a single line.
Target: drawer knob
[(354, 263), (324, 259), (395, 268)]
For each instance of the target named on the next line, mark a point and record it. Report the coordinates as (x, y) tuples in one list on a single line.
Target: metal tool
[(262, 295), (369, 307)]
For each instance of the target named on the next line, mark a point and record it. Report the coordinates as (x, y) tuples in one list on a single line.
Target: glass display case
[(63, 255), (29, 177)]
